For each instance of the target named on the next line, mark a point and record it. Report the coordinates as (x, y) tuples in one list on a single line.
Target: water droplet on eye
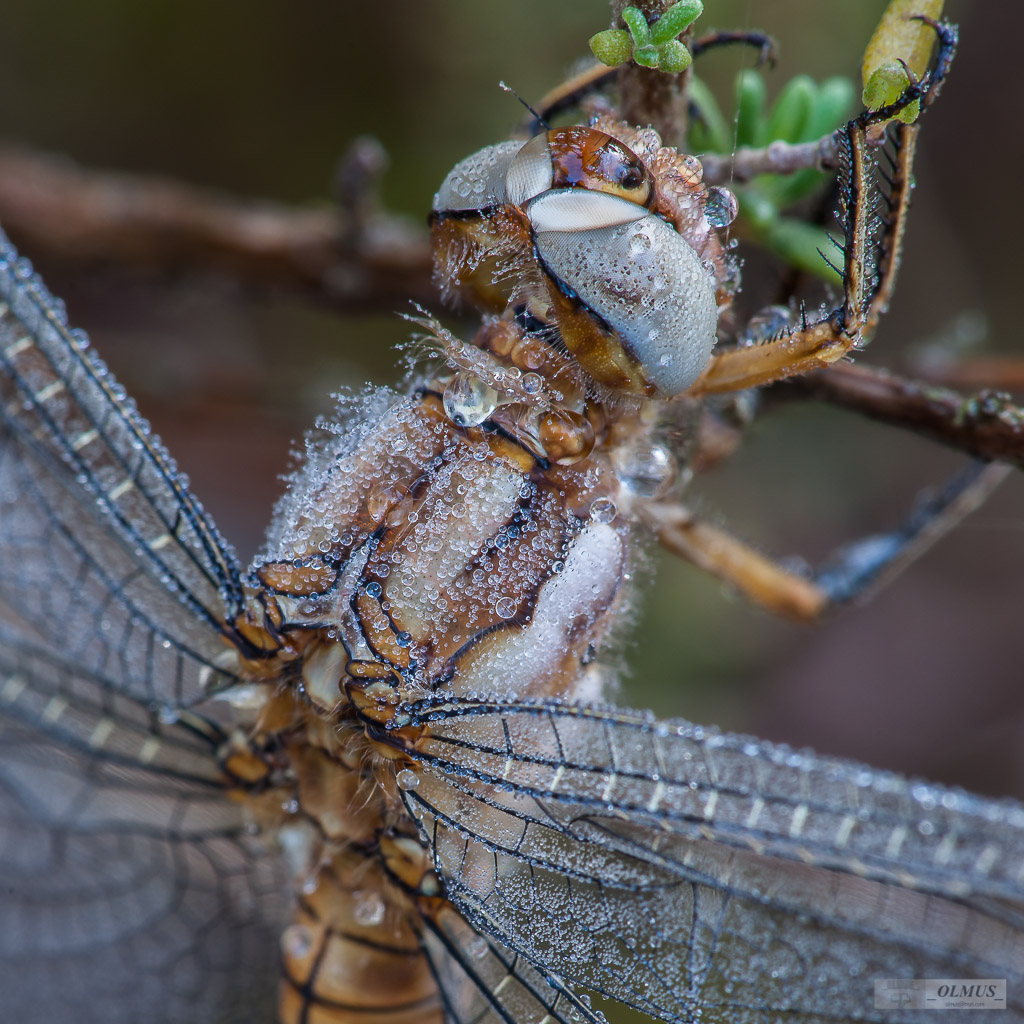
[(407, 779), (468, 400), (639, 243), (296, 940), (720, 207), (505, 607), (367, 908), (603, 510), (647, 470), (665, 360)]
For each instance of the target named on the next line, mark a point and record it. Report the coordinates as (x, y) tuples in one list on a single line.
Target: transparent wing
[(483, 982), (130, 889), (696, 875), (85, 478)]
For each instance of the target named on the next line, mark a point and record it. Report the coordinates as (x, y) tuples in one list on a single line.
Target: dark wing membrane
[(696, 875), (58, 401), (104, 553), (483, 982), (129, 888), (131, 891)]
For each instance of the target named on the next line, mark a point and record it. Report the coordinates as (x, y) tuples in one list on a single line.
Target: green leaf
[(792, 109), (833, 106), (901, 37), (647, 56), (798, 242), (675, 57), (675, 20), (638, 27), (749, 108), (711, 134), (612, 47)]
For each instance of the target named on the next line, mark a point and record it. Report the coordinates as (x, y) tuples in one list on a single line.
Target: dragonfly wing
[(131, 890), (97, 523), (481, 981), (696, 875)]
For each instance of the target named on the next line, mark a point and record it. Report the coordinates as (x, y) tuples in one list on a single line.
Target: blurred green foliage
[(802, 112)]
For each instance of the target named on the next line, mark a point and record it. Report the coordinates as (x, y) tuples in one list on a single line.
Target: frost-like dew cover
[(370, 778)]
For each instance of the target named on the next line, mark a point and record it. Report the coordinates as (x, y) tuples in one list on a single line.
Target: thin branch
[(986, 425), (999, 372), (776, 158), (346, 257)]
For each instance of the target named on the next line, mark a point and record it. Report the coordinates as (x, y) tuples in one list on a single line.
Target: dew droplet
[(639, 243), (693, 168), (373, 589), (765, 324), (407, 779), (367, 908), (468, 400), (603, 510), (167, 715), (647, 470), (720, 207), (478, 947), (296, 940), (532, 383), (505, 607)]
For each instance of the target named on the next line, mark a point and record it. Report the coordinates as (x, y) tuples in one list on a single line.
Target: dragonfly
[(371, 776)]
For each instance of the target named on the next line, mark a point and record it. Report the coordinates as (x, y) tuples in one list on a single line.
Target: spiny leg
[(851, 573), (869, 265)]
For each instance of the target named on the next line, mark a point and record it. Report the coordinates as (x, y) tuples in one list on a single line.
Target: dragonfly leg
[(851, 573), (870, 249)]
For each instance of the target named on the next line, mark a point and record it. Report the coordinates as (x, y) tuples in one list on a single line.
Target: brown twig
[(648, 96), (1001, 372), (776, 158), (347, 257), (986, 425)]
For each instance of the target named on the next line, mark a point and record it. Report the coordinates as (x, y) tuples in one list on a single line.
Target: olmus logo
[(940, 993), (957, 990)]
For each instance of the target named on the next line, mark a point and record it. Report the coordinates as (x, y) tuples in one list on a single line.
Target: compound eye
[(577, 158)]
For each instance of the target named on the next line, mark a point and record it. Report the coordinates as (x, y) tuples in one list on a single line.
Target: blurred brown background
[(260, 100)]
